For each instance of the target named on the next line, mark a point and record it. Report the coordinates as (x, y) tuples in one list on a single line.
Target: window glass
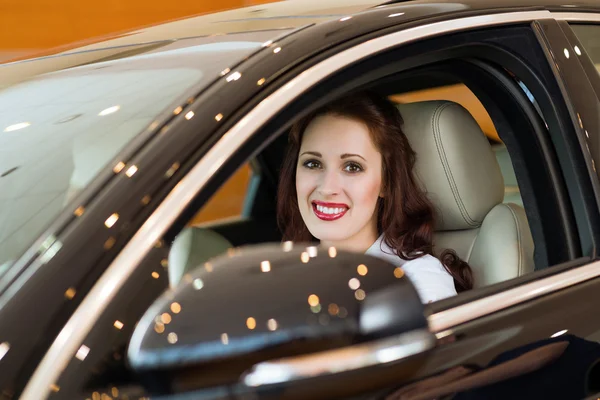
[(102, 373), (59, 129), (460, 94), (589, 36)]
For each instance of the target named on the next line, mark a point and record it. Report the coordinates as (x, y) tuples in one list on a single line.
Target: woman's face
[(338, 182)]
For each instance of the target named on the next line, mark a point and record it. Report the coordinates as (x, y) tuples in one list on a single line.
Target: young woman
[(348, 181)]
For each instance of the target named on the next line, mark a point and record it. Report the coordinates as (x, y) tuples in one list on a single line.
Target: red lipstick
[(327, 211)]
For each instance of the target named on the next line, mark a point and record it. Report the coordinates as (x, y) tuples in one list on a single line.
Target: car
[(139, 251)]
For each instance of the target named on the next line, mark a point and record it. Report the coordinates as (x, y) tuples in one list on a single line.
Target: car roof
[(289, 14)]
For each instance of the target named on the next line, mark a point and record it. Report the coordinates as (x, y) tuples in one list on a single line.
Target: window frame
[(195, 182)]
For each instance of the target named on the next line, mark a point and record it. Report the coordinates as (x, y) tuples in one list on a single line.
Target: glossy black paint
[(277, 295), (86, 251)]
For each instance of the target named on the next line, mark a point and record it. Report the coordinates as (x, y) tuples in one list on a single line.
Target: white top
[(426, 273)]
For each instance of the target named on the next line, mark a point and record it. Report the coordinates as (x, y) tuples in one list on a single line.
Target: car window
[(589, 36), (58, 130)]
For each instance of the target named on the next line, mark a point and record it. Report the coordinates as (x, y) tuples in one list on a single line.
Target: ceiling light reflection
[(83, 352), (118, 324), (362, 269), (155, 275), (251, 323), (312, 251), (198, 284), (175, 308), (261, 81), (288, 246), (218, 117), (577, 50), (109, 110), (304, 257), (345, 19), (110, 221), (272, 324), (398, 272), (4, 348), (189, 115), (332, 252), (354, 283), (225, 338), (172, 338), (234, 77), (567, 53), (16, 127), (277, 50), (131, 171), (559, 333), (360, 295), (395, 15), (119, 167), (265, 266), (313, 300)]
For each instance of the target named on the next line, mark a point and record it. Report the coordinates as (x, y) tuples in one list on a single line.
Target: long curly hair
[(405, 214)]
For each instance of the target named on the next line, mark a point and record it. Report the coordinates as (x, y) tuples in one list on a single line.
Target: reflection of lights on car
[(119, 167), (272, 324), (234, 77), (260, 81), (218, 117), (559, 333), (265, 266), (362, 269), (110, 221), (16, 127), (567, 53), (189, 115), (277, 50), (83, 352), (251, 323), (172, 338), (225, 338), (109, 110), (354, 283), (345, 19), (4, 347), (577, 50), (288, 245), (313, 300), (312, 251), (395, 15), (267, 43), (198, 284), (332, 252), (118, 324), (70, 293), (131, 171)]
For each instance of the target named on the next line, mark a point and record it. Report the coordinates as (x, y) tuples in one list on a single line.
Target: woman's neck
[(356, 244)]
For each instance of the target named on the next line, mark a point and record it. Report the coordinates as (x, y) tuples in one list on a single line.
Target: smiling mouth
[(329, 211)]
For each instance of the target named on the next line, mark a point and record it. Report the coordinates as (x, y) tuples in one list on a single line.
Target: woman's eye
[(311, 164), (353, 168)]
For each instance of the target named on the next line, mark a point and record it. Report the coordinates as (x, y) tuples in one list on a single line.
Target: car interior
[(462, 164)]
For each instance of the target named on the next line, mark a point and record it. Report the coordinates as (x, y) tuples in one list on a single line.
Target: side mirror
[(271, 317)]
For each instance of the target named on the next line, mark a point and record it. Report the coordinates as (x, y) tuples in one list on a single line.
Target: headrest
[(191, 249), (455, 162)]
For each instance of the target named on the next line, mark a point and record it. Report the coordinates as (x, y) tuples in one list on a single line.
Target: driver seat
[(460, 173)]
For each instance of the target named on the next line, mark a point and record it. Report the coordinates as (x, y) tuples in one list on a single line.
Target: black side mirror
[(269, 317)]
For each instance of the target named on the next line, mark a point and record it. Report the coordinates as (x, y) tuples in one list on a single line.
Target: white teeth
[(329, 210)]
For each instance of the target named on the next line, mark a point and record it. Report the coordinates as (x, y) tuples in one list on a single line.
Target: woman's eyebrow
[(346, 155), (312, 153)]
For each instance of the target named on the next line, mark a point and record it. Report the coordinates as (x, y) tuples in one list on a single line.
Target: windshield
[(59, 128)]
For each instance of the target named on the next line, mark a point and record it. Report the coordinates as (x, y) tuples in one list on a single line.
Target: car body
[(151, 124)]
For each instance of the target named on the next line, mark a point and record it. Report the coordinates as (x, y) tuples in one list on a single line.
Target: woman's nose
[(330, 183)]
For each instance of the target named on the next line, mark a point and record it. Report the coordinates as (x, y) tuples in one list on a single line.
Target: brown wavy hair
[(410, 231)]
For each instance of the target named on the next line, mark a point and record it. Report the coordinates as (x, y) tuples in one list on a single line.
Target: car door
[(471, 328)]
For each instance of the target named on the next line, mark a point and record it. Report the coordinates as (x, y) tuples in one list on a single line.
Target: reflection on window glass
[(58, 130), (589, 36)]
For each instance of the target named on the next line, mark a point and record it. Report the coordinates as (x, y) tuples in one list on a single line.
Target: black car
[(139, 251)]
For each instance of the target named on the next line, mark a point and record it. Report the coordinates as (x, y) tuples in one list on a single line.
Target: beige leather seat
[(459, 170), (192, 248)]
